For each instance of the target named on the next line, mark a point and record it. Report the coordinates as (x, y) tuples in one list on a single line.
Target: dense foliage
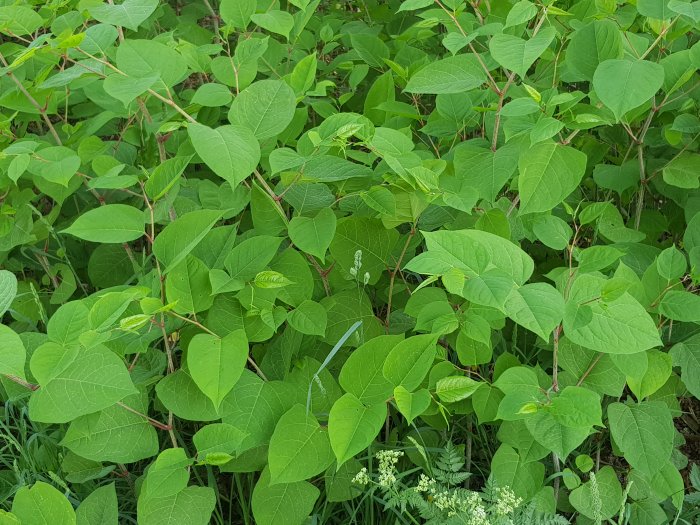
[(351, 261)]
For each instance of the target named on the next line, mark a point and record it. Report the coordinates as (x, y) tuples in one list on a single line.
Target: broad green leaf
[(539, 307), (621, 326), (19, 20), (42, 504), (680, 306), (279, 22), (643, 432), (187, 285), (142, 58), (99, 508), (313, 235), (165, 176), (657, 373), (251, 256), (455, 74), (577, 407), (58, 165), (216, 364), (549, 172), (12, 352), (130, 13), (553, 435), (190, 506), (689, 9), (352, 426), (232, 152), (284, 503), (309, 318), (687, 355), (114, 434), (217, 438), (265, 107), (361, 374), (623, 85), (552, 231), (111, 223), (455, 388), (8, 290), (683, 171), (81, 381), (473, 252), (671, 263), (411, 404), (485, 170), (212, 95), (412, 5), (237, 12), (167, 475), (371, 239), (179, 393), (518, 55), (609, 495), (126, 89), (597, 41), (299, 448), (182, 235), (508, 468), (657, 9), (409, 361)]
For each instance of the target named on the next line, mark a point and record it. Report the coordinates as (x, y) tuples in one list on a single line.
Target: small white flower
[(387, 466), (425, 483), (366, 277), (353, 271), (358, 260), (507, 501), (361, 478)]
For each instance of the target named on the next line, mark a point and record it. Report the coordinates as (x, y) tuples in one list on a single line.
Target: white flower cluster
[(355, 270), (425, 484), (361, 478), (507, 501), (387, 466), (454, 503)]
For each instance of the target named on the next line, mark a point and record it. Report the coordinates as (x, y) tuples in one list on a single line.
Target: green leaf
[(216, 364), (217, 438), (188, 286), (409, 361), (671, 263), (411, 404), (12, 352), (517, 54), (683, 171), (549, 172), (680, 306), (142, 58), (182, 235), (455, 388), (190, 506), (412, 5), (596, 42), (126, 89), (19, 20), (606, 496), (371, 238), (455, 74), (657, 373), (59, 164), (165, 176), (282, 504), (689, 9), (299, 448), (577, 407), (76, 381), (309, 318), (621, 326), (657, 9), (99, 508), (553, 435), (687, 355), (552, 231), (361, 374), (279, 22), (8, 290), (212, 95), (111, 223), (539, 307), (265, 107), (313, 235), (251, 256), (114, 434), (510, 469), (644, 433), (41, 504), (623, 85), (232, 152), (352, 426), (237, 12), (130, 13)]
